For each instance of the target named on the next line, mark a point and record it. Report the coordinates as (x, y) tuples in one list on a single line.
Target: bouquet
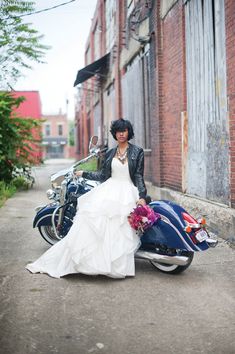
[(142, 218)]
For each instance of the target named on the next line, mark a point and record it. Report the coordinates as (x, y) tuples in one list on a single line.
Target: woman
[(101, 240)]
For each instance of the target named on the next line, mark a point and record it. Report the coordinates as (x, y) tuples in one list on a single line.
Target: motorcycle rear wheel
[(173, 268)]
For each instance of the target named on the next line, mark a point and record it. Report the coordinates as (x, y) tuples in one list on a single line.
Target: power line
[(47, 9)]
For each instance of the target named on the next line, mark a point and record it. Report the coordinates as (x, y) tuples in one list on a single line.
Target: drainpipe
[(118, 91)]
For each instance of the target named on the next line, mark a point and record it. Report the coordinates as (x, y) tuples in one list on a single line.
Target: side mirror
[(93, 142)]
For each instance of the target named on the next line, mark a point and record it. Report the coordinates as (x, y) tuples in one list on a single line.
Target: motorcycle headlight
[(50, 194)]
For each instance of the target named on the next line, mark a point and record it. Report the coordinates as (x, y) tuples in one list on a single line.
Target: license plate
[(201, 235)]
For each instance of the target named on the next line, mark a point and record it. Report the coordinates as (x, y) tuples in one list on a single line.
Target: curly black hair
[(120, 125)]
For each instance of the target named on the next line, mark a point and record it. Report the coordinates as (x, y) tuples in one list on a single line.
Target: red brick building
[(167, 66), (55, 136), (31, 108)]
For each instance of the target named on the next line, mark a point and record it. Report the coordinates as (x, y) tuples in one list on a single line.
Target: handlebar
[(94, 153), (84, 160)]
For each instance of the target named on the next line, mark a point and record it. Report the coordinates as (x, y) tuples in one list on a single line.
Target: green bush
[(20, 183), (17, 142), (90, 165), (6, 191)]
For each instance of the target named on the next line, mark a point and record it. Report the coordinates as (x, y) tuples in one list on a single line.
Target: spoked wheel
[(172, 268), (48, 234)]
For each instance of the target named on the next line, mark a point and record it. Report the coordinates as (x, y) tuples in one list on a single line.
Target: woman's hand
[(141, 201), (78, 173)]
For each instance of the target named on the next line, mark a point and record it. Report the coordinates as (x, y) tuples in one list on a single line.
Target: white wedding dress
[(100, 240)]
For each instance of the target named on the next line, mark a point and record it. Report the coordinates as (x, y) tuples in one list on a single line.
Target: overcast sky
[(66, 30)]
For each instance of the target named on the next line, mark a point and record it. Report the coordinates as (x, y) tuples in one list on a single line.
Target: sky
[(66, 30)]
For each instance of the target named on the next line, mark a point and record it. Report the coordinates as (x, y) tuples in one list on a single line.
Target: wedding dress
[(100, 240)]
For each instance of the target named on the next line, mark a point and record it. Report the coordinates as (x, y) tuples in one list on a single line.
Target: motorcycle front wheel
[(48, 234), (173, 268)]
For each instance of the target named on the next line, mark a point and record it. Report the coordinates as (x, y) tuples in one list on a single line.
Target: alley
[(151, 313)]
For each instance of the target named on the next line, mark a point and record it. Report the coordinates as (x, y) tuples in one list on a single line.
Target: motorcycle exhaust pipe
[(176, 260)]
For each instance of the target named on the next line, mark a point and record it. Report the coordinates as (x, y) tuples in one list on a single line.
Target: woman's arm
[(139, 176), (97, 175)]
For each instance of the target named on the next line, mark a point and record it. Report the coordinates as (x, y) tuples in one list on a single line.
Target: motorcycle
[(169, 245), (55, 219)]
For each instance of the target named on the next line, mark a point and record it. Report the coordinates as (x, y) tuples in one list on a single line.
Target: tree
[(71, 133), (15, 136), (20, 44)]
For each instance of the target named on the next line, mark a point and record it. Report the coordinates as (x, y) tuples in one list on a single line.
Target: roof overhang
[(92, 69)]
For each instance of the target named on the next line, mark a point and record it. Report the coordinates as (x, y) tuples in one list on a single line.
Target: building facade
[(55, 136), (31, 108), (170, 71)]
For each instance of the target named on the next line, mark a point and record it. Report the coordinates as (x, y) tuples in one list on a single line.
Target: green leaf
[(20, 43), (15, 136)]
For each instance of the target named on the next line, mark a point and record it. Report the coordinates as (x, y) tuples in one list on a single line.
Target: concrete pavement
[(151, 313)]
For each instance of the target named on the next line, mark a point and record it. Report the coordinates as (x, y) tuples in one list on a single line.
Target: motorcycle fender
[(164, 234), (171, 233), (44, 216)]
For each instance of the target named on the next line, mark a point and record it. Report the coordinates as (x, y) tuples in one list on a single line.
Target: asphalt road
[(151, 313)]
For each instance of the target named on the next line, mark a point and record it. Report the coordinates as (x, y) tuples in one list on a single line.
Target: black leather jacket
[(135, 156)]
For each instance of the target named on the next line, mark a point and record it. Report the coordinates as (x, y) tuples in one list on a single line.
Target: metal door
[(207, 167)]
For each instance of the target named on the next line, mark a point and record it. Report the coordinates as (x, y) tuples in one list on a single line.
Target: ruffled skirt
[(100, 240)]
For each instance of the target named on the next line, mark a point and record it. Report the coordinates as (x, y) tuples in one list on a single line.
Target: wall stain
[(217, 164)]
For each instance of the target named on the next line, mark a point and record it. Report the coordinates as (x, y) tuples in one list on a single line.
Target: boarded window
[(110, 20), (207, 172), (136, 98)]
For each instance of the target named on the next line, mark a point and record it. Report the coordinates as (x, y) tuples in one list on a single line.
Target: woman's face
[(122, 137)]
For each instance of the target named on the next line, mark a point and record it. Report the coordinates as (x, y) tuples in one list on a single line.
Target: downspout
[(117, 66)]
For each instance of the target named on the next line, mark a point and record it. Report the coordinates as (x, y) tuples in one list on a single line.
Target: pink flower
[(142, 218)]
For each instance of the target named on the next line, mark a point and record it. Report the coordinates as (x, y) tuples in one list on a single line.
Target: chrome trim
[(63, 190), (50, 193), (53, 222), (211, 242), (194, 226), (176, 260), (167, 221)]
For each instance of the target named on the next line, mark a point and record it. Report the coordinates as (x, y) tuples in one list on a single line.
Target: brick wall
[(54, 121), (172, 96), (230, 57), (153, 161)]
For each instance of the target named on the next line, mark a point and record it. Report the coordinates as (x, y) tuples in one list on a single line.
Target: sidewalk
[(59, 161), (152, 313)]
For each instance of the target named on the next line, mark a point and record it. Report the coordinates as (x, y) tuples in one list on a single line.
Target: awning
[(91, 69)]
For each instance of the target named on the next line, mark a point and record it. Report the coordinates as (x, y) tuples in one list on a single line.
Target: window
[(130, 6), (60, 129), (97, 42), (88, 55), (47, 130), (110, 20), (136, 102)]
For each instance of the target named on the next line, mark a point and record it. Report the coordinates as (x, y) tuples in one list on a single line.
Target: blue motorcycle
[(169, 244)]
